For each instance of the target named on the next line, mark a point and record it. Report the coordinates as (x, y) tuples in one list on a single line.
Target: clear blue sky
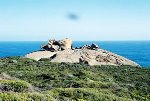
[(38, 20)]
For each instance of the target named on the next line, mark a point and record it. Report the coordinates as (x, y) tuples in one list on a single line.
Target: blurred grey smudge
[(72, 16)]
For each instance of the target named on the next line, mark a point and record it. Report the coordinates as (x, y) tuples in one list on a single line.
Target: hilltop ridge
[(62, 51)]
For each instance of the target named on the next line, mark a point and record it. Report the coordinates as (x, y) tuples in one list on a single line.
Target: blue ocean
[(138, 51)]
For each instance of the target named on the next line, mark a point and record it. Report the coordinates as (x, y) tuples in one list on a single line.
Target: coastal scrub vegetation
[(29, 80)]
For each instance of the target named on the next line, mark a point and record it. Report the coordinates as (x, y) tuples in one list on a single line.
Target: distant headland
[(62, 51)]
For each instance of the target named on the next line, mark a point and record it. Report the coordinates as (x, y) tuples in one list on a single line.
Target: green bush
[(112, 82), (25, 97), (86, 94), (14, 86)]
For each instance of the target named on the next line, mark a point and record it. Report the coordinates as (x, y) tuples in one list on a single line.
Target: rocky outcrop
[(62, 51), (40, 55), (65, 44), (91, 57), (92, 47), (54, 45)]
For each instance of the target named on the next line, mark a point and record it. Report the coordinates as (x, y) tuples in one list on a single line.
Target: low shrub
[(25, 97), (86, 82), (87, 94), (15, 86)]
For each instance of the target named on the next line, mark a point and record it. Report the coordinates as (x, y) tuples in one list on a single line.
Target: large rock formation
[(62, 51), (59, 45), (66, 44)]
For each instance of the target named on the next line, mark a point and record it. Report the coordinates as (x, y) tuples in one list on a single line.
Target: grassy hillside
[(26, 79)]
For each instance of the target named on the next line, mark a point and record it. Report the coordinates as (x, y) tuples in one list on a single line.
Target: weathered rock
[(40, 54), (94, 46), (66, 44), (54, 45), (86, 56), (54, 48), (51, 46), (61, 51), (86, 60), (85, 47)]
